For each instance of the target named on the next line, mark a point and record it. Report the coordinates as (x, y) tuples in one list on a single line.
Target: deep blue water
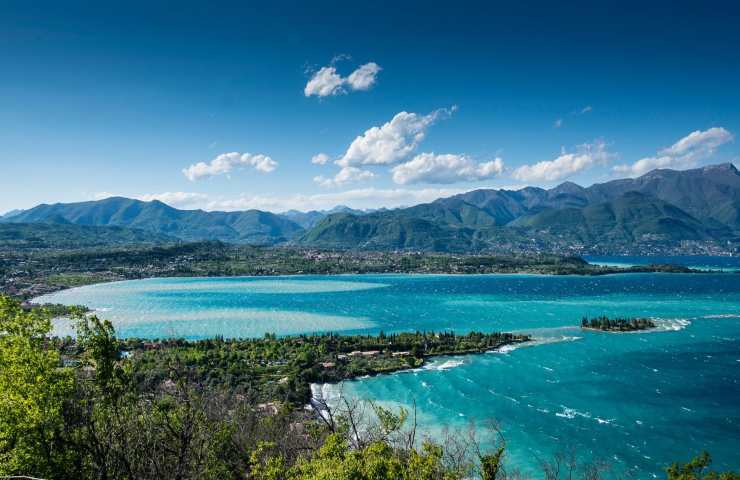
[(638, 400)]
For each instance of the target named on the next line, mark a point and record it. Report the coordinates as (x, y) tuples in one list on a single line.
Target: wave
[(571, 413), (536, 341), (722, 315), (669, 324), (445, 365)]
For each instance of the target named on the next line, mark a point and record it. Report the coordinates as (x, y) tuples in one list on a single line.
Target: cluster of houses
[(343, 357)]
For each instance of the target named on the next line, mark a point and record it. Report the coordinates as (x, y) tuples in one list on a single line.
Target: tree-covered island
[(606, 324)]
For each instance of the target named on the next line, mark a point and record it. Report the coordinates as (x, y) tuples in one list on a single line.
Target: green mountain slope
[(632, 217), (710, 193), (251, 226), (663, 205), (48, 235)]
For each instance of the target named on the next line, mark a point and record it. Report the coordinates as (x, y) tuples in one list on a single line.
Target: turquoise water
[(637, 400)]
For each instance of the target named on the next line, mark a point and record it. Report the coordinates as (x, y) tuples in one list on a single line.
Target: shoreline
[(640, 269), (468, 352), (637, 330)]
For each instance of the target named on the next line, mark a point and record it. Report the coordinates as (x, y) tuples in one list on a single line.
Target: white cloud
[(358, 198), (586, 109), (566, 164), (344, 176), (183, 200), (326, 81), (698, 142), (685, 153), (226, 162), (177, 199), (364, 77), (392, 141), (320, 159), (558, 123), (361, 198), (446, 168)]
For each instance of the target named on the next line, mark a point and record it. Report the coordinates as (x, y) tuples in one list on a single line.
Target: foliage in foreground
[(93, 421)]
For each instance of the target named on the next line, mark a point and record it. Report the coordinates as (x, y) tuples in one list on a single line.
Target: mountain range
[(661, 207)]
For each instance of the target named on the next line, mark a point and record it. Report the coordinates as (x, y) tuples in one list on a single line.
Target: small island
[(606, 324)]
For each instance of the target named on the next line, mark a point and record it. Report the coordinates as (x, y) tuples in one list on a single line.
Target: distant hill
[(312, 217), (46, 235), (10, 213), (661, 206), (251, 226)]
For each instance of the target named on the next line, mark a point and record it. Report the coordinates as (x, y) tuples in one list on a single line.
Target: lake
[(638, 401)]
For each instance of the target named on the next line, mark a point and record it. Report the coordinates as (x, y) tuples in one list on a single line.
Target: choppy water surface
[(637, 400)]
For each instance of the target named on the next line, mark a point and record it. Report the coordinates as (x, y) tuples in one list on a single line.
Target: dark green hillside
[(251, 226), (707, 193), (662, 208), (633, 217), (58, 236), (383, 231)]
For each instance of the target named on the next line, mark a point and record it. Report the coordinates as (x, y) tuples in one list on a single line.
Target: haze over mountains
[(662, 206)]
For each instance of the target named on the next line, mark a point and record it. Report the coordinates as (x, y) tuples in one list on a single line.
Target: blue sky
[(100, 99)]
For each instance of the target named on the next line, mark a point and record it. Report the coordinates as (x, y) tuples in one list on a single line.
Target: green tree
[(698, 469), (33, 391)]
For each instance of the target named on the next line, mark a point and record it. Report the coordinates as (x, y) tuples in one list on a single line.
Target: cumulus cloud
[(685, 153), (344, 176), (392, 141), (320, 159), (566, 164), (326, 81), (357, 198), (361, 198), (183, 200), (226, 162), (443, 169), (364, 77)]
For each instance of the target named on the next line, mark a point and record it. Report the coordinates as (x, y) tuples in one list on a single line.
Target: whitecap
[(669, 324), (444, 365), (571, 413)]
